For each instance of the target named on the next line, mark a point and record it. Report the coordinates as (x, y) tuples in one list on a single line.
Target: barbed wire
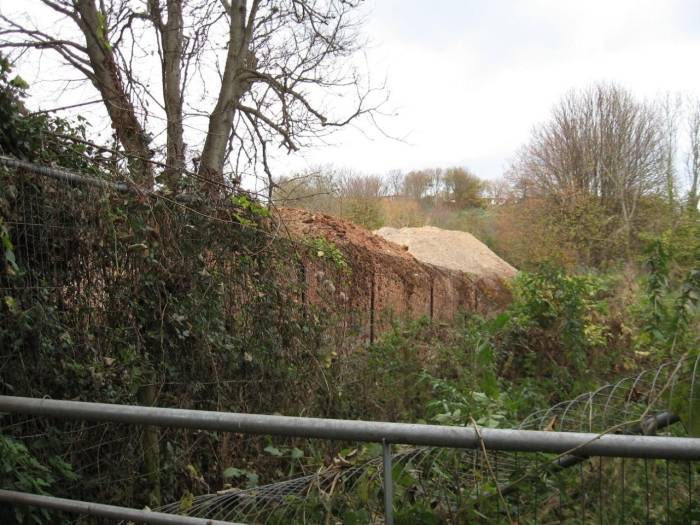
[(490, 475)]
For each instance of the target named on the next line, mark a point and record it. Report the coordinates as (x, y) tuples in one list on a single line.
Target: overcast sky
[(469, 78)]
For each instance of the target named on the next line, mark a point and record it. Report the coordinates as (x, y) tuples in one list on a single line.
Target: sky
[(468, 79)]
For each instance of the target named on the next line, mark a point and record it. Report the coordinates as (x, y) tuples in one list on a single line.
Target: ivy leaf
[(252, 479), (19, 83), (273, 451), (233, 472), (11, 305), (186, 501)]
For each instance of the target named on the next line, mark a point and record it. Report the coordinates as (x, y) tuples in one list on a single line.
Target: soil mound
[(386, 281), (456, 250), (345, 234)]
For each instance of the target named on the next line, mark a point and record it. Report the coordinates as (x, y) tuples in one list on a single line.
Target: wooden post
[(150, 446), (371, 311), (432, 300)]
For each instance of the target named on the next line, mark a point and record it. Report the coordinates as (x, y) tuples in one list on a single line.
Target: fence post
[(388, 484), (371, 309), (432, 299), (150, 444)]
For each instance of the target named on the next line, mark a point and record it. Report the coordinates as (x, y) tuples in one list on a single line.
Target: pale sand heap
[(450, 249)]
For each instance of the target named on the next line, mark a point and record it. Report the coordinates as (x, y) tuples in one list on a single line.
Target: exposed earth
[(448, 272), (456, 250)]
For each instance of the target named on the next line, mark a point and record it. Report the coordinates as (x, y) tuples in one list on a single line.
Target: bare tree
[(693, 158), (395, 182), (497, 192), (436, 183), (97, 60), (417, 184), (316, 189), (670, 109), (360, 198), (600, 144), (337, 191), (171, 46), (281, 66), (360, 186)]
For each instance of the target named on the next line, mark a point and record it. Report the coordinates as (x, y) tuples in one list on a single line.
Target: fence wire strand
[(595, 491), (454, 485)]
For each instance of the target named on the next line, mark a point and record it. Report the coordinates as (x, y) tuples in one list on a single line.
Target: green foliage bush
[(667, 313), (20, 470), (131, 293), (556, 328)]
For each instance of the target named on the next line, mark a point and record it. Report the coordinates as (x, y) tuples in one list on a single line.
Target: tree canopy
[(237, 79)]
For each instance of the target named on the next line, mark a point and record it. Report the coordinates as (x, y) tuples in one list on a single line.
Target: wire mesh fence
[(106, 294), (438, 485), (429, 484), (474, 480), (84, 250)]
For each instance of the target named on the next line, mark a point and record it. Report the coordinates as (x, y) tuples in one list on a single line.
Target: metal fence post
[(388, 484)]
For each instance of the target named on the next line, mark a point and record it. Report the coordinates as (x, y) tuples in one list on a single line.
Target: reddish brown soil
[(386, 281)]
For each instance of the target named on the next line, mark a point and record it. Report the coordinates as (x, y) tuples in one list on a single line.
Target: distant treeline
[(603, 175)]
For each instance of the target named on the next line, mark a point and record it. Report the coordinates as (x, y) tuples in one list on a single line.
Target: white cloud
[(472, 78)]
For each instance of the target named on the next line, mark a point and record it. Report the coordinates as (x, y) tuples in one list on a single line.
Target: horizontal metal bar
[(61, 174), (69, 176), (651, 424), (660, 421), (587, 444), (103, 511)]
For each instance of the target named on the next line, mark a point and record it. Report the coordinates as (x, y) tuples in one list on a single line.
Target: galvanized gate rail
[(511, 440), (103, 511)]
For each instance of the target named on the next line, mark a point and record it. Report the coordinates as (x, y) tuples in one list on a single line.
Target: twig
[(491, 472)]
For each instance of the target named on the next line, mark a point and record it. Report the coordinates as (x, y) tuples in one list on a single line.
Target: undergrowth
[(135, 299)]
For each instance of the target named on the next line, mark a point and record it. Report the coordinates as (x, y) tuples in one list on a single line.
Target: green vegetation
[(137, 299), (594, 198), (127, 295), (324, 249), (22, 471)]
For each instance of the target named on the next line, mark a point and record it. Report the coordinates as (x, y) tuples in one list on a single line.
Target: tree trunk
[(693, 194), (694, 158), (171, 41), (211, 165), (107, 80)]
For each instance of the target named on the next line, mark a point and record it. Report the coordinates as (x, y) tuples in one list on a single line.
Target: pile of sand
[(456, 250)]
